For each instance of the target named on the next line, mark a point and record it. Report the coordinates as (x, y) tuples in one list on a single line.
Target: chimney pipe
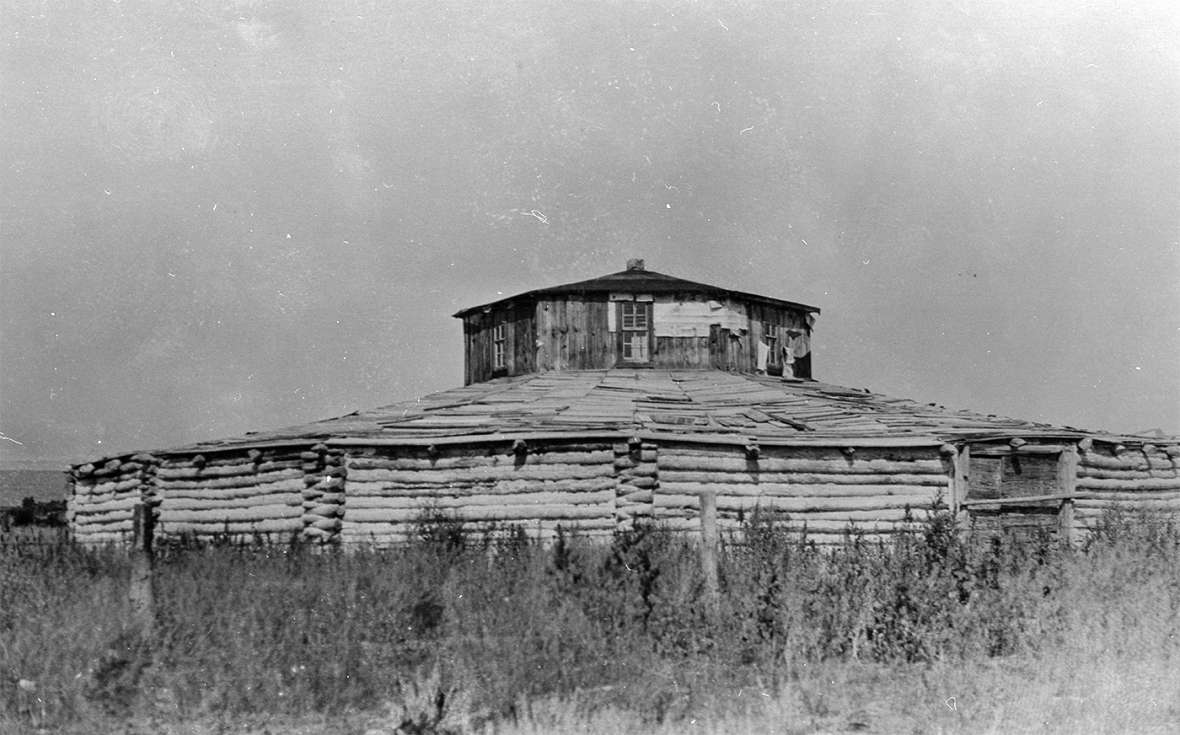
[(635, 264)]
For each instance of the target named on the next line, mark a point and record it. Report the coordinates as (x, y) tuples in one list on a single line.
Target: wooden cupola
[(636, 318)]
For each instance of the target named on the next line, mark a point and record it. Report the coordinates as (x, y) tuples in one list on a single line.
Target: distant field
[(39, 484)]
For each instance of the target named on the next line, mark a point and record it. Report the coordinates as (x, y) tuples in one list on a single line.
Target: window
[(635, 331), (770, 338), (499, 346)]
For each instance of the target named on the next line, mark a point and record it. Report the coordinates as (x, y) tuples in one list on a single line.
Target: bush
[(497, 619)]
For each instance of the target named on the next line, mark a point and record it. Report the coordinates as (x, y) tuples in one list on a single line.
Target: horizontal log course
[(326, 510), (867, 449), (109, 486), (444, 502), (888, 515), (646, 483), (817, 526), (245, 530), (187, 471), (82, 518), (1128, 496), (121, 505), (357, 489), (193, 502), (638, 496), (523, 513), (322, 523), (411, 527), (477, 461), (234, 515), (1123, 474), (838, 464), (1095, 483), (96, 520), (261, 478), (483, 474), (790, 478), (1171, 505), (106, 473), (1128, 461), (130, 496), (795, 505), (775, 490), (292, 487)]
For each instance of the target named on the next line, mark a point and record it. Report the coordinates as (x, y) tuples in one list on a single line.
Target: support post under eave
[(1067, 480)]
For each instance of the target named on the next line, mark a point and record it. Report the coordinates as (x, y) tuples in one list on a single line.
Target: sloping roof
[(692, 404), (635, 280)]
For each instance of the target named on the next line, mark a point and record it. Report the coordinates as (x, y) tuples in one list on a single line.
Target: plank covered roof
[(639, 280), (694, 405)]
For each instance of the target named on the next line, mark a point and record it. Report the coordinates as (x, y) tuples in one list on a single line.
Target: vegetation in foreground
[(492, 632)]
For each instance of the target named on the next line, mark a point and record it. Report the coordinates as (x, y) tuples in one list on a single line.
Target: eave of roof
[(638, 281)]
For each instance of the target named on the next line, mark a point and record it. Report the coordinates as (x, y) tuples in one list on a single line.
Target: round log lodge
[(625, 399)]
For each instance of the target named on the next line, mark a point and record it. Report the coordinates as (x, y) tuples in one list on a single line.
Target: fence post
[(1067, 479), (140, 594), (709, 551)]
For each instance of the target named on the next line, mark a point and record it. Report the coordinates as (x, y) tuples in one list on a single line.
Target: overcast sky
[(225, 216)]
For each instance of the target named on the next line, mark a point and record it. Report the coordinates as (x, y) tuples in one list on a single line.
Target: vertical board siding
[(572, 334), (237, 495), (876, 491), (1139, 479), (389, 492), (100, 509), (520, 343), (578, 332)]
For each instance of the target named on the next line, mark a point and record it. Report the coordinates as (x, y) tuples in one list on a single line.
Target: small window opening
[(770, 338), (499, 345)]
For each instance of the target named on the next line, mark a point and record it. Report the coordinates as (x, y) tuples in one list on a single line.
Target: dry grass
[(495, 634)]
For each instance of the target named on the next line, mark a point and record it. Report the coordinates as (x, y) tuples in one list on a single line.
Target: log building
[(621, 399)]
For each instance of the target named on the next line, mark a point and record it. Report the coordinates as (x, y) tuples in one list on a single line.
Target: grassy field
[(483, 633)]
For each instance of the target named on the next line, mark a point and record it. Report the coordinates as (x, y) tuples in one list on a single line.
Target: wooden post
[(959, 485), (709, 551), (141, 595), (1067, 480)]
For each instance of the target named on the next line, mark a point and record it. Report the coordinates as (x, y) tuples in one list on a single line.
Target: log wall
[(875, 491), (1134, 479), (637, 477), (101, 505), (390, 490), (240, 496), (329, 495)]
